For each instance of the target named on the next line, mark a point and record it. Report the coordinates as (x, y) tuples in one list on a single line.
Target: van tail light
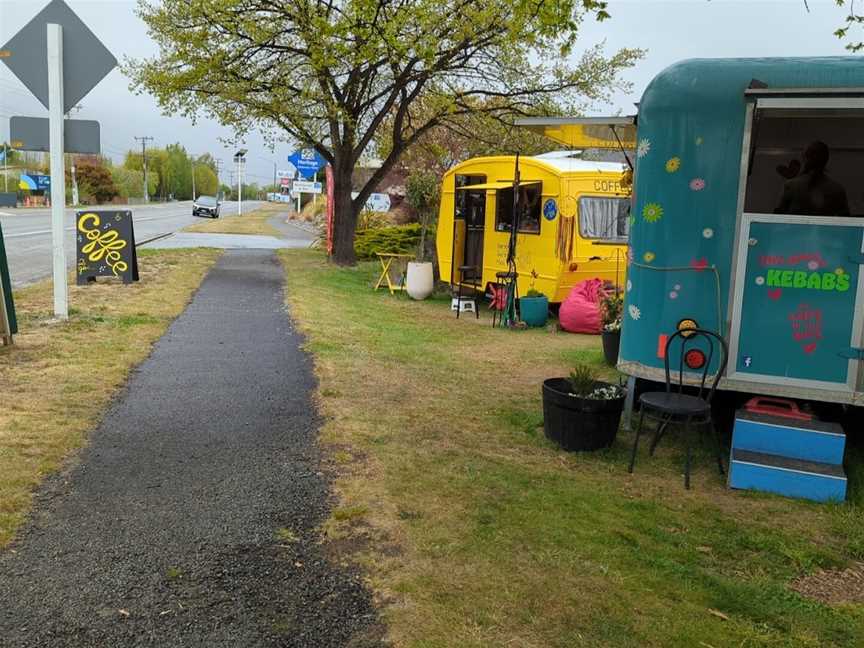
[(574, 267)]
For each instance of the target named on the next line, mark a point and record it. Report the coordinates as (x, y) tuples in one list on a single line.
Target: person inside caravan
[(813, 192)]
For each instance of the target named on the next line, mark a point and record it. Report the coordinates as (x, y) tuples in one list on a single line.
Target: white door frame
[(855, 376)]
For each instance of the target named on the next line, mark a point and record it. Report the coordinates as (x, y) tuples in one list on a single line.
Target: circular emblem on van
[(550, 209)]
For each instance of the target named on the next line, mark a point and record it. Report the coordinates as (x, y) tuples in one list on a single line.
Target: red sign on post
[(328, 173)]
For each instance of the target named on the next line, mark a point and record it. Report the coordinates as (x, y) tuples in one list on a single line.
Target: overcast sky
[(670, 30)]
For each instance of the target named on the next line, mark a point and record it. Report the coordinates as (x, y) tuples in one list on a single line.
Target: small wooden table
[(387, 259)]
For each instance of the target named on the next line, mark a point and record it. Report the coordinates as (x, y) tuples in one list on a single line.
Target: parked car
[(206, 206)]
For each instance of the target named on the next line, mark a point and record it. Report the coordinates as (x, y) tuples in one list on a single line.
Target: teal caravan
[(748, 220)]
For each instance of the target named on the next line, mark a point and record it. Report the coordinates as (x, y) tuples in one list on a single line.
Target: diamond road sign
[(86, 60)]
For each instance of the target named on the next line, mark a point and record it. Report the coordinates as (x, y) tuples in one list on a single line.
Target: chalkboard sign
[(105, 241), (8, 323)]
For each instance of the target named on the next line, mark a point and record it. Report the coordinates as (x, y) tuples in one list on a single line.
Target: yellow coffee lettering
[(103, 244)]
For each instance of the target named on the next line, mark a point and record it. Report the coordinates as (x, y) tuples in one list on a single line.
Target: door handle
[(852, 353), (857, 259)]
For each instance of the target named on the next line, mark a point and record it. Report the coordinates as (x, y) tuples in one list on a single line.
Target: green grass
[(505, 540), (254, 222)]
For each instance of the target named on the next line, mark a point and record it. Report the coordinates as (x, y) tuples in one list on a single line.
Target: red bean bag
[(580, 311)]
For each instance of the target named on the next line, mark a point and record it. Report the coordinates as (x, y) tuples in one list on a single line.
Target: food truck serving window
[(528, 221), (604, 218), (806, 161)]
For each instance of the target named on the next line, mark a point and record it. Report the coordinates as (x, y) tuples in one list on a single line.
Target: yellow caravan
[(573, 222)]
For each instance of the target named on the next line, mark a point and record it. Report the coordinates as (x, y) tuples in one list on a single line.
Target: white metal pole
[(58, 172), (74, 186), (314, 195), (239, 189), (5, 168)]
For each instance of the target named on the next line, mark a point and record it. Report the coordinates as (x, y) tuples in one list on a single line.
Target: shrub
[(373, 220), (611, 308), (582, 380), (401, 239)]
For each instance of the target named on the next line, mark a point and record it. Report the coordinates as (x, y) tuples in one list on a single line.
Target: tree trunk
[(344, 214)]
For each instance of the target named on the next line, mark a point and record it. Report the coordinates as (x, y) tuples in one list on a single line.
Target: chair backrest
[(696, 360)]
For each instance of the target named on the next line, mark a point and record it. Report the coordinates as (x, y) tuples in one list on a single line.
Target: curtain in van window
[(604, 218)]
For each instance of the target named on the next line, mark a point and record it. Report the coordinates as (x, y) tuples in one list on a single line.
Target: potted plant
[(534, 306), (421, 192), (611, 308), (581, 412)]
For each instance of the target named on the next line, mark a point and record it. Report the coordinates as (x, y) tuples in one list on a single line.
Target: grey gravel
[(165, 532)]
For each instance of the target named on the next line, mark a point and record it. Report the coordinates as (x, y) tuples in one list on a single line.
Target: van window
[(604, 219), (469, 203), (528, 221), (806, 161)]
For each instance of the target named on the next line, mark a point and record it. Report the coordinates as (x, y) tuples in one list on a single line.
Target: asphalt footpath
[(190, 519)]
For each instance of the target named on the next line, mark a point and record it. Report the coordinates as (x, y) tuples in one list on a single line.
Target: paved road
[(165, 533), (27, 233)]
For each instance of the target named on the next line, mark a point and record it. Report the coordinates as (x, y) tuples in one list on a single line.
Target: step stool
[(463, 305), (787, 454)]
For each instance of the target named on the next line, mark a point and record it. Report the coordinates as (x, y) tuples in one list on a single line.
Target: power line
[(144, 139)]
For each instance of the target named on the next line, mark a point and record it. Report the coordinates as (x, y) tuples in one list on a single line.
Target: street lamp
[(240, 160)]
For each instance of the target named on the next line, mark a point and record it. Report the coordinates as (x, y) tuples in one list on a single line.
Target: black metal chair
[(471, 274), (670, 406)]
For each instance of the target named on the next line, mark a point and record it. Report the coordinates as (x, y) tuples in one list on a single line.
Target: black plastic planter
[(579, 423), (611, 342)]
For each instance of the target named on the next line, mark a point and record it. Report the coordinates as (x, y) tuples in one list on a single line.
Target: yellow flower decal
[(673, 164), (648, 257), (652, 212), (839, 271)]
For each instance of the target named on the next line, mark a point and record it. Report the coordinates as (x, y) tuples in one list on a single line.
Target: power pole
[(144, 139)]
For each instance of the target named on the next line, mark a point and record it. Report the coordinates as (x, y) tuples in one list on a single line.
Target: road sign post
[(59, 74), (58, 172)]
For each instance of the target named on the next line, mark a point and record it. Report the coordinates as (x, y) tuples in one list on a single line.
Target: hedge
[(401, 239)]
